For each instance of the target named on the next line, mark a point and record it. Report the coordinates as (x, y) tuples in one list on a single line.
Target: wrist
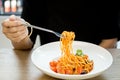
[(24, 44)]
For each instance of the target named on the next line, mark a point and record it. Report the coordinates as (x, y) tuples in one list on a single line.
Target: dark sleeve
[(29, 15), (109, 24)]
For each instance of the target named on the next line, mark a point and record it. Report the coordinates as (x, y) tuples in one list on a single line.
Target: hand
[(13, 29)]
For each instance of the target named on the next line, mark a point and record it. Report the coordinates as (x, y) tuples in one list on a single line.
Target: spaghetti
[(69, 63)]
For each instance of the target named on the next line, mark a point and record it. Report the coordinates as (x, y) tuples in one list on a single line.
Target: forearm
[(109, 43), (24, 44)]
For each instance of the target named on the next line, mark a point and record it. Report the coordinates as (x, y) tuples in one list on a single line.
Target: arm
[(109, 43), (24, 44), (17, 33)]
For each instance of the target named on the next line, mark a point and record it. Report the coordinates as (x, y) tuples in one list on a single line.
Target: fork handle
[(40, 28), (43, 29)]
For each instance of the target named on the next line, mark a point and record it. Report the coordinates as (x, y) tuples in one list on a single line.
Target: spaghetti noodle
[(69, 63)]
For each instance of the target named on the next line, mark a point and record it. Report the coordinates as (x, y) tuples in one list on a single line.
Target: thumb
[(13, 18)]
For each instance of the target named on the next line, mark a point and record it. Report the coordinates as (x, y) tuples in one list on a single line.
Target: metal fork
[(43, 29)]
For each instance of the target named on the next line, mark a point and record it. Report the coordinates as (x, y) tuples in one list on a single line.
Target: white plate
[(44, 54)]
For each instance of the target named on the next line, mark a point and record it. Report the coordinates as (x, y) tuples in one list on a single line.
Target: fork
[(43, 29)]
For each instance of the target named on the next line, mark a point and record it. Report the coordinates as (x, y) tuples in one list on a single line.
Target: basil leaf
[(79, 52)]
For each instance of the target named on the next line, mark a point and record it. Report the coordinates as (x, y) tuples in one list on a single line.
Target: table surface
[(17, 65)]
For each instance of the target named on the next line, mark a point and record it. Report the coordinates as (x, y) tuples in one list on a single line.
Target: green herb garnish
[(79, 52)]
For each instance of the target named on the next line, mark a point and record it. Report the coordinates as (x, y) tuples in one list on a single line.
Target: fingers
[(13, 28), (18, 36), (12, 21), (15, 34), (7, 23)]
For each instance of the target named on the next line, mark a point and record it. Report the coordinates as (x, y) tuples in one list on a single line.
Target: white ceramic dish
[(44, 54)]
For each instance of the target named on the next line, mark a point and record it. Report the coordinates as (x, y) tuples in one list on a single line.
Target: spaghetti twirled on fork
[(69, 63)]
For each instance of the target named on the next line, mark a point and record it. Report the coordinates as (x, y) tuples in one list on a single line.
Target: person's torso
[(73, 15)]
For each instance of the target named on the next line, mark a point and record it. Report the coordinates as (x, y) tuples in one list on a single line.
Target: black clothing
[(88, 20)]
